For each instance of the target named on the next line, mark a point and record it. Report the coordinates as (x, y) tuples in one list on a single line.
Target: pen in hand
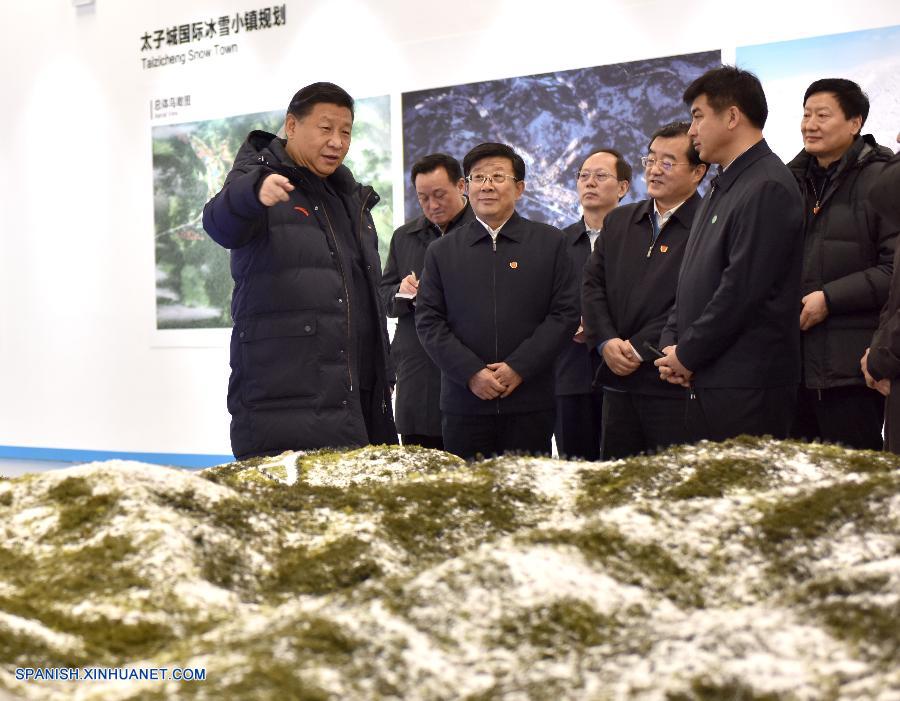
[(409, 286)]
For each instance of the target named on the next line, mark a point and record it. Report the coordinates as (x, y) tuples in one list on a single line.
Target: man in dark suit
[(629, 290), (496, 304), (602, 182), (440, 189), (733, 336)]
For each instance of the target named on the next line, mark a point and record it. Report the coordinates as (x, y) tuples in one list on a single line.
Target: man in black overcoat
[(628, 292), (732, 337), (495, 306), (602, 181), (440, 190)]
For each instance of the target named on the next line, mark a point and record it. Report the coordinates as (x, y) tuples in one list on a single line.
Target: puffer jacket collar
[(861, 151), (268, 150)]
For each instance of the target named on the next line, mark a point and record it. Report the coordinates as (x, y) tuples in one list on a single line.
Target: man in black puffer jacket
[(847, 265), (309, 358)]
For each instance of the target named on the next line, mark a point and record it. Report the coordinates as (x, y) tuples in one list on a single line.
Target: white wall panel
[(81, 365)]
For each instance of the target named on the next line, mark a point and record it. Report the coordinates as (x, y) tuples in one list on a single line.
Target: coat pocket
[(280, 356)]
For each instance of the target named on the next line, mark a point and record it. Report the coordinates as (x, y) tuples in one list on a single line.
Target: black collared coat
[(848, 252), (575, 366), (515, 302), (737, 306), (629, 287), (417, 404), (292, 382)]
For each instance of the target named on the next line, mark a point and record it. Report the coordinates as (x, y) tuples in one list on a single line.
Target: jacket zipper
[(494, 297), (655, 233), (346, 294), (361, 210), (375, 295), (337, 246)]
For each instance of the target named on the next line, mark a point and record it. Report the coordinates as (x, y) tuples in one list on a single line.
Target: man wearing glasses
[(497, 302), (628, 292), (602, 182)]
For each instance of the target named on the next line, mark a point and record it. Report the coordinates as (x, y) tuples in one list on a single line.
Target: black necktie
[(714, 183)]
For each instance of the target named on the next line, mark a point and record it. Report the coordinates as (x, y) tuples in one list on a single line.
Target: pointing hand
[(275, 188)]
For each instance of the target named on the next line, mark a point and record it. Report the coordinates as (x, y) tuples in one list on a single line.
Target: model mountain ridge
[(752, 569)]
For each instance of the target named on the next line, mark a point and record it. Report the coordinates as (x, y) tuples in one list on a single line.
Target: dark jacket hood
[(264, 148)]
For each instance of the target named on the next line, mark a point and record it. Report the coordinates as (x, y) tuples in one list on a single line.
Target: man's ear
[(290, 123), (699, 173)]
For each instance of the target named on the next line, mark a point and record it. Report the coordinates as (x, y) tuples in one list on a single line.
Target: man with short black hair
[(732, 336), (628, 292), (309, 354), (440, 189), (602, 181), (847, 265), (496, 304)]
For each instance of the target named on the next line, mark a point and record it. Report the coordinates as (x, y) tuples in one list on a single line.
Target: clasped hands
[(882, 386), (619, 356), (495, 380), (671, 370)]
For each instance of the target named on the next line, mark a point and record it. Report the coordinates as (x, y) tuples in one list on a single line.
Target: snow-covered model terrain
[(745, 570)]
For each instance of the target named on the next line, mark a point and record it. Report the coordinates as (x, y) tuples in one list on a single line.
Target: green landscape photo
[(190, 162)]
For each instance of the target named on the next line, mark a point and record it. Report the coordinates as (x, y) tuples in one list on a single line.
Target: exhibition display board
[(123, 119)]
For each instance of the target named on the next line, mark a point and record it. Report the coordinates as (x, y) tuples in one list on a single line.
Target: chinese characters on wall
[(215, 28)]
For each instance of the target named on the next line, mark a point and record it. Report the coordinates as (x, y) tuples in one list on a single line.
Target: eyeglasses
[(495, 178), (601, 175), (649, 162)]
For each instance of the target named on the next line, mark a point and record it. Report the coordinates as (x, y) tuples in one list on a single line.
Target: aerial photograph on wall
[(190, 162), (553, 120)]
